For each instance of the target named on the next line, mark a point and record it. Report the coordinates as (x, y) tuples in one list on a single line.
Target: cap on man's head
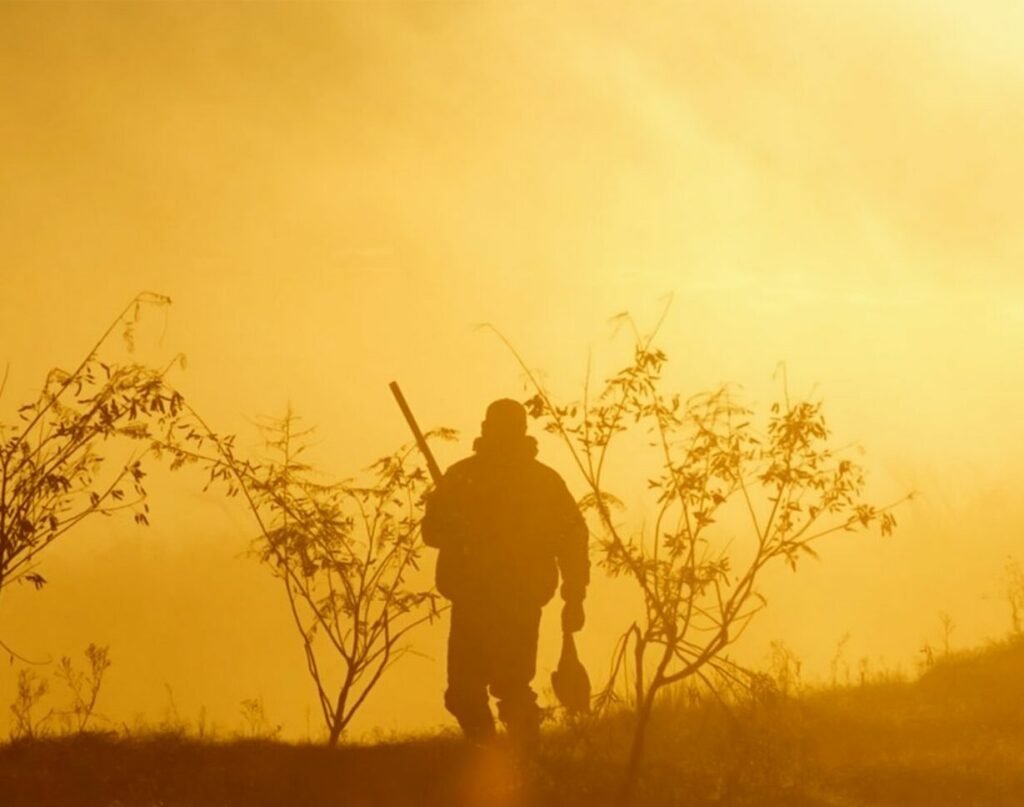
[(504, 418)]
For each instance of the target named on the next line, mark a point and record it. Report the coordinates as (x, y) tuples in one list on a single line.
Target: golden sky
[(335, 195)]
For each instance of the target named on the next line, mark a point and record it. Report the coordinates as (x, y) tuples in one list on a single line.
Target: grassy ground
[(954, 737)]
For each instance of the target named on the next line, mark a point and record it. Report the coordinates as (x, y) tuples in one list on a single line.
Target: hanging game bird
[(570, 680)]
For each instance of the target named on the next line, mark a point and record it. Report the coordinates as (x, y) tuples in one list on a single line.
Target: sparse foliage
[(52, 472), (84, 686), (727, 500), (342, 551), (32, 688), (256, 725)]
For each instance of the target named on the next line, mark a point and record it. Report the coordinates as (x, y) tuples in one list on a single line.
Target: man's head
[(505, 420)]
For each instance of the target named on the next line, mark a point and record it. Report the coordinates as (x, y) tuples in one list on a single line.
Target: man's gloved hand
[(572, 616)]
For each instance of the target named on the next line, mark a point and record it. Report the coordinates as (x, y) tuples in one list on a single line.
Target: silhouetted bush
[(732, 492), (343, 552)]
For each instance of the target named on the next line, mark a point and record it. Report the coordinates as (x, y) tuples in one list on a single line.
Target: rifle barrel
[(421, 441)]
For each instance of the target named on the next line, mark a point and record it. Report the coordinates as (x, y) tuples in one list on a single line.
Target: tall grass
[(954, 736)]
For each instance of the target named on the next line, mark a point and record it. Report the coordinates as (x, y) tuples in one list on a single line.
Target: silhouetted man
[(505, 525)]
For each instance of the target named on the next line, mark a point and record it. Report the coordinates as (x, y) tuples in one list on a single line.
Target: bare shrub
[(786, 669), (948, 626), (1013, 578)]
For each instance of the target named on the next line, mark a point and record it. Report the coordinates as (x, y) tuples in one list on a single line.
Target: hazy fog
[(336, 195)]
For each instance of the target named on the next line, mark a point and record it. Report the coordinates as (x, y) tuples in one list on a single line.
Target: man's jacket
[(505, 525)]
